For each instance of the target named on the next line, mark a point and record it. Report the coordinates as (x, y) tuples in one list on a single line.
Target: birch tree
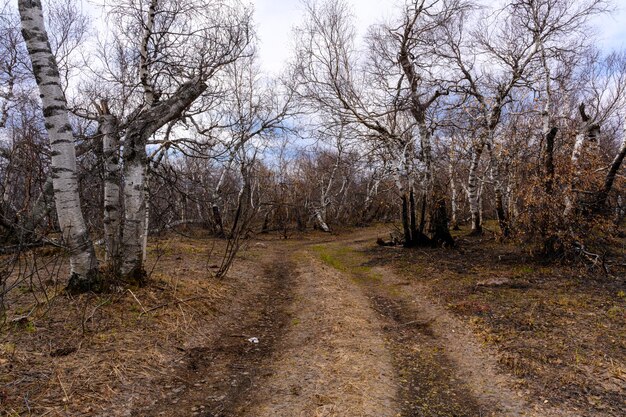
[(83, 262), (157, 71)]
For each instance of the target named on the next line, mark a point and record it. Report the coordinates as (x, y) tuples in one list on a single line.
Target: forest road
[(331, 333)]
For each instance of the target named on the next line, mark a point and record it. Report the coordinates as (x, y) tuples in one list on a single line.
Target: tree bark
[(587, 132), (603, 194), (406, 223), (112, 208), (453, 199), (549, 136), (83, 262), (135, 163), (498, 192), (473, 194)]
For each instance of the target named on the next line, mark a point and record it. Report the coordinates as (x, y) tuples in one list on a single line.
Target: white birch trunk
[(453, 198), (135, 166), (576, 152), (146, 219), (83, 262), (473, 192), (112, 207), (134, 215)]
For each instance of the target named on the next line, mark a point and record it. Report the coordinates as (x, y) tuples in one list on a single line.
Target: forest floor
[(321, 325)]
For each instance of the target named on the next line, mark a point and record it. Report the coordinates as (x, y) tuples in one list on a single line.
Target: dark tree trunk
[(501, 212), (266, 222), (412, 216), (603, 194), (406, 223), (440, 229), (549, 161), (217, 219)]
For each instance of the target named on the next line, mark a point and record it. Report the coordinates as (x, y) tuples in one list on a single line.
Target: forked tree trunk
[(135, 165), (588, 131), (83, 262)]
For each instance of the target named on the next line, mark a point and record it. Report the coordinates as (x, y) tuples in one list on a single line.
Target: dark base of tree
[(136, 277), (439, 228), (418, 240), (477, 231), (93, 282), (553, 248)]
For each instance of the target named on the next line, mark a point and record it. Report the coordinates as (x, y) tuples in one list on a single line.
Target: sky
[(275, 20)]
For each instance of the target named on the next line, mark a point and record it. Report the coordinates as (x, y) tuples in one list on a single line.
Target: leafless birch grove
[(445, 114)]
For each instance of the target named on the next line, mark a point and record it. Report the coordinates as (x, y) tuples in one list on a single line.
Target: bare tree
[(83, 263)]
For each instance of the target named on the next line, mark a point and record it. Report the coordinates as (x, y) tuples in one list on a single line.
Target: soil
[(323, 325)]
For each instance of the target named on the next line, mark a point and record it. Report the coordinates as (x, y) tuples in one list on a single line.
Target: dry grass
[(560, 327), (77, 355)]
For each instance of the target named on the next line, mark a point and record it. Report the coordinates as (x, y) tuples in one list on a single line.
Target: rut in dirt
[(216, 380), (428, 387)]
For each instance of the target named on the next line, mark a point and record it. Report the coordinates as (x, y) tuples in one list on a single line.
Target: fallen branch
[(136, 299)]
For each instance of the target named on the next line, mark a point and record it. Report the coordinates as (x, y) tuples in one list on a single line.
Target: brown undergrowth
[(560, 328), (76, 355)]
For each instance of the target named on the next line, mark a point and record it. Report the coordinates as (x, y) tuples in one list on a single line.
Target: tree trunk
[(550, 135), (473, 194), (112, 208), (588, 131), (135, 164), (135, 161), (603, 194), (321, 222), (453, 200), (412, 215), (440, 230), (406, 223), (498, 192), (83, 262)]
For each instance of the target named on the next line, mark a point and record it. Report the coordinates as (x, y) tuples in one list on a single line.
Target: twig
[(418, 322), (136, 299), (63, 388)]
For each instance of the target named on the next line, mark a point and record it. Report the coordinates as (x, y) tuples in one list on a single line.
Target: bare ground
[(333, 361), (318, 326)]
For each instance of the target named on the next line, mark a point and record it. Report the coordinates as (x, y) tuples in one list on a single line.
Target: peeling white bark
[(135, 166), (83, 263), (473, 192), (454, 196), (144, 73), (112, 207)]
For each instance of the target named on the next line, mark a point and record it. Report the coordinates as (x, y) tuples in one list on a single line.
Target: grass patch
[(347, 260)]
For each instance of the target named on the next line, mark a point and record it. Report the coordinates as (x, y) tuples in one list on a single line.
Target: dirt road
[(328, 333)]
